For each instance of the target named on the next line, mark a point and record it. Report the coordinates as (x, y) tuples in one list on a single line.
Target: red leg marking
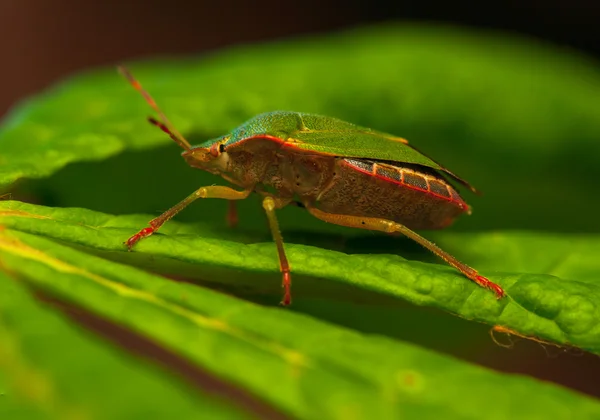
[(284, 267), (287, 286), (144, 233), (484, 282)]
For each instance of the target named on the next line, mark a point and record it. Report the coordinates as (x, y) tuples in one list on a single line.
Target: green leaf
[(539, 303), (305, 367), (49, 369)]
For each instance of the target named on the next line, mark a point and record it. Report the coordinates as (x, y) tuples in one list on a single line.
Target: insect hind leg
[(388, 226)]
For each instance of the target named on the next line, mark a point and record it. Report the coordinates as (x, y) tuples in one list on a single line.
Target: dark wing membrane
[(454, 176)]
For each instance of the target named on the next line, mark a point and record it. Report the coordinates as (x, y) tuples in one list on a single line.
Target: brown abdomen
[(413, 195)]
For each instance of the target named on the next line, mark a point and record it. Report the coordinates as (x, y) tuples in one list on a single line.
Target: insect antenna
[(163, 127), (163, 123)]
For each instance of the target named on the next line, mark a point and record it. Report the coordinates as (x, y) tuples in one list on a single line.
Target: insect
[(339, 172)]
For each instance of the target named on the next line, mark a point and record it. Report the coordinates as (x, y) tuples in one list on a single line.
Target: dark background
[(44, 40)]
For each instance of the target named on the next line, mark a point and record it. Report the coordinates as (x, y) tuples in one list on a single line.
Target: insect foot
[(144, 233), (484, 282)]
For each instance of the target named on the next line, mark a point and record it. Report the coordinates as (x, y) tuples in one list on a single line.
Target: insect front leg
[(215, 191), (270, 204), (388, 226)]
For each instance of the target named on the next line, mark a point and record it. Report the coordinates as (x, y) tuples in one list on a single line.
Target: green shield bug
[(339, 172)]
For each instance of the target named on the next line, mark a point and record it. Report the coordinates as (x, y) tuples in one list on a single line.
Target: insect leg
[(215, 191), (270, 204), (388, 226), (232, 215)]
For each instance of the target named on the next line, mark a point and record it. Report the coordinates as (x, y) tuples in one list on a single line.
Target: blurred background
[(43, 41)]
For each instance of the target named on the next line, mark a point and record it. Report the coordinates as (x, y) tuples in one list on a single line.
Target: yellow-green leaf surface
[(553, 291), (51, 370), (304, 367)]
